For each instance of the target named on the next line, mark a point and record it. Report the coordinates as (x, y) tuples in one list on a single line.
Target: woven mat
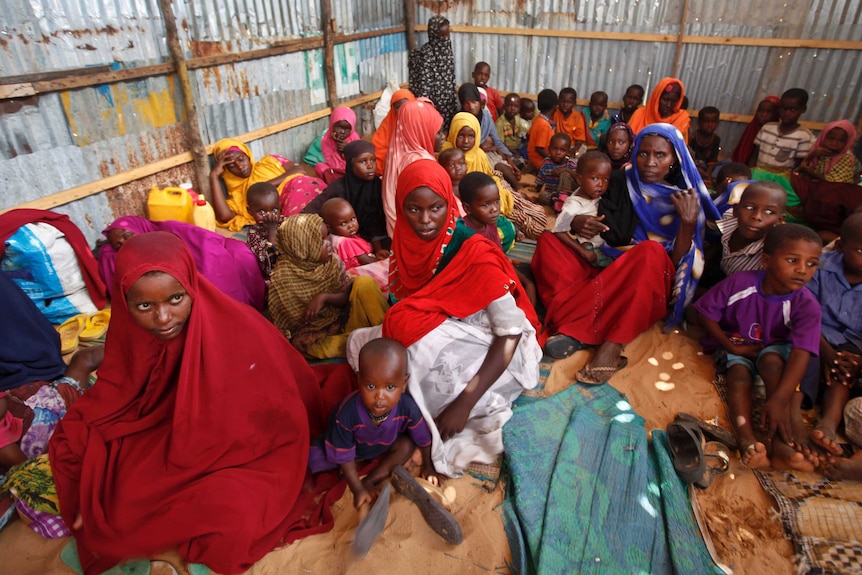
[(822, 517), (522, 251)]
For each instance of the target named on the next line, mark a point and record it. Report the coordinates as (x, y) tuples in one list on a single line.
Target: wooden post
[(328, 27), (409, 22), (200, 163), (679, 38)]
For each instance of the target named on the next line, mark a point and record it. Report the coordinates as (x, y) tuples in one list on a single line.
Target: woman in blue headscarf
[(652, 219)]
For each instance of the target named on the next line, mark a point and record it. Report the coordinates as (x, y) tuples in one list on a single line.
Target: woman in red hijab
[(194, 437), (664, 105), (469, 329)]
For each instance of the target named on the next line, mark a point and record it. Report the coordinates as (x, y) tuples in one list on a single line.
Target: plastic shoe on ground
[(97, 326), (441, 521), (70, 331)]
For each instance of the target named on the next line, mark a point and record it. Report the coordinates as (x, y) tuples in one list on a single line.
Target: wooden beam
[(410, 23), (678, 53), (327, 24), (191, 127), (55, 74), (667, 38)]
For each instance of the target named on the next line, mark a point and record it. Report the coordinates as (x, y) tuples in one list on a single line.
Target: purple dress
[(227, 263), (351, 434)]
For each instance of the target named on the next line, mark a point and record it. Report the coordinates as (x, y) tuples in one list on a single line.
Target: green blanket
[(589, 494)]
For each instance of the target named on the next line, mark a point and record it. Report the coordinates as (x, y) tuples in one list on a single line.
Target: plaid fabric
[(45, 524)]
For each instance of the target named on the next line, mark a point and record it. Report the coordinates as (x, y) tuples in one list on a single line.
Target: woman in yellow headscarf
[(464, 134), (236, 166)]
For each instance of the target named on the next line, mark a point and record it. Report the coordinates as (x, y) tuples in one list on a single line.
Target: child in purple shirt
[(376, 420), (770, 326)]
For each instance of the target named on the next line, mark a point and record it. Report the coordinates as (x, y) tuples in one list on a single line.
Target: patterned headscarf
[(851, 139), (300, 275), (617, 164), (432, 70), (659, 221)]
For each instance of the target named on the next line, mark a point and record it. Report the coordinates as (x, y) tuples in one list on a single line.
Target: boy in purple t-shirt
[(770, 326), (378, 419)]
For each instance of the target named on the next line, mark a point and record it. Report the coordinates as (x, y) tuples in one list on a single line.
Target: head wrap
[(432, 70), (649, 114), (329, 146), (851, 139), (617, 164), (745, 147), (383, 133)]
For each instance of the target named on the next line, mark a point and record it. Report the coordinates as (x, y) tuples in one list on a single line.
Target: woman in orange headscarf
[(664, 105), (384, 132)]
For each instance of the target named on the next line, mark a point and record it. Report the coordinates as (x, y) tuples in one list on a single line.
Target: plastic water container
[(203, 214), (169, 204)]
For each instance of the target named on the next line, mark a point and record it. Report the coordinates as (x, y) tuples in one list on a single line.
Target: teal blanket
[(589, 494)]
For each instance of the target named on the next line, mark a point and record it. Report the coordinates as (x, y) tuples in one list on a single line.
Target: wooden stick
[(409, 23), (191, 125), (680, 38), (327, 25)]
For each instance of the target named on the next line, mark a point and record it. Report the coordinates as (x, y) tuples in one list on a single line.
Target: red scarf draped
[(478, 274), (745, 147), (198, 443)]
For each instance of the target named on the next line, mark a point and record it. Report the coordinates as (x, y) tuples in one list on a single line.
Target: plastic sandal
[(97, 325), (441, 521), (711, 471), (710, 432), (561, 346), (373, 524), (686, 450), (70, 331)]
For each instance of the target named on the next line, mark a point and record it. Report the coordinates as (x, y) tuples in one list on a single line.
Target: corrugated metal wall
[(57, 140)]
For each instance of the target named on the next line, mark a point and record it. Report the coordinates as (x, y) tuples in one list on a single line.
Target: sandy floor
[(744, 527)]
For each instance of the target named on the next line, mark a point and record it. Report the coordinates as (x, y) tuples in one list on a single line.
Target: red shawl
[(476, 275), (14, 219), (198, 443)]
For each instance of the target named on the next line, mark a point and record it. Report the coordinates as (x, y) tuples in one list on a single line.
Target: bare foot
[(844, 467), (785, 457), (755, 457), (825, 439)]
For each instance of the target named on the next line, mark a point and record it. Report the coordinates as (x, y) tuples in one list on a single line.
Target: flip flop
[(710, 432), (686, 450), (601, 374), (97, 325), (561, 346), (713, 471), (441, 521), (373, 524), (70, 331)]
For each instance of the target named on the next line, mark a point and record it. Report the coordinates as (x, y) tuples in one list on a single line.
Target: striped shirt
[(780, 151), (748, 258)]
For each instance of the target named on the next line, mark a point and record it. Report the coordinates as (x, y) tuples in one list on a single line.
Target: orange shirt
[(574, 125), (540, 135)]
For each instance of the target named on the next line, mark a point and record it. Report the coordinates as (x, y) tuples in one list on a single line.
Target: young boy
[(632, 100), (528, 111), (481, 200), (706, 145), (726, 175), (837, 285), (264, 206), (592, 175), (543, 128), (481, 75), (377, 419), (782, 145), (557, 173), (768, 325), (761, 207), (512, 128), (598, 120), (453, 161), (570, 121)]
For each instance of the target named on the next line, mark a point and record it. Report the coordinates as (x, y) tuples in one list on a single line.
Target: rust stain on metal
[(15, 104), (89, 47), (201, 49), (131, 199)]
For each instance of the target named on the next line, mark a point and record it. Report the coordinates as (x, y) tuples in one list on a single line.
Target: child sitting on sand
[(831, 159), (592, 175), (837, 285), (556, 177), (768, 325), (480, 198), (264, 206), (355, 251), (377, 419), (512, 128), (455, 164)]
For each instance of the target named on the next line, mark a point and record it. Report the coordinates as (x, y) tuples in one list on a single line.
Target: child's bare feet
[(824, 438), (844, 467), (785, 457), (755, 456)]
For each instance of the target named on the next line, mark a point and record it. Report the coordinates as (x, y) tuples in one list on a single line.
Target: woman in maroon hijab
[(194, 437)]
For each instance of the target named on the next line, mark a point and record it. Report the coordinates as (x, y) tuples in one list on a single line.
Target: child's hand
[(428, 472), (590, 256), (314, 306), (845, 368), (749, 351), (367, 494), (515, 169), (558, 171), (382, 254), (776, 418), (270, 224)]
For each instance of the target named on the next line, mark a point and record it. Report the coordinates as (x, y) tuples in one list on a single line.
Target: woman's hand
[(588, 226), (314, 306), (452, 420), (687, 206), (221, 161)]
